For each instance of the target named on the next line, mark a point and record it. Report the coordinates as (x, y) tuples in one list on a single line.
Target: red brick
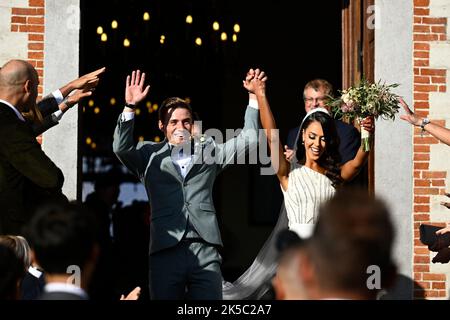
[(438, 80), (417, 276), (422, 259), (421, 166), (433, 72), (35, 55), (421, 96), (423, 251), (422, 267), (438, 29), (424, 285), (417, 20), (421, 29), (431, 293), (34, 28), (417, 242), (36, 46), (421, 148), (421, 12), (36, 3), (434, 174), (421, 46), (425, 37), (438, 285), (422, 113), (434, 277), (16, 19), (434, 21), (422, 183), (35, 20), (421, 217), (443, 89), (421, 157), (40, 64), (425, 88), (421, 3), (421, 62), (416, 71), (418, 199), (417, 174), (25, 12), (40, 90), (421, 105), (35, 37), (14, 28), (442, 37), (442, 294), (422, 79), (438, 183), (431, 191), (425, 140)]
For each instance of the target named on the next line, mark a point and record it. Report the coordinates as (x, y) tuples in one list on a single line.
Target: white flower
[(346, 98)]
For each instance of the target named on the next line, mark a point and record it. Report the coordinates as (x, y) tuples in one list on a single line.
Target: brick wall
[(30, 20), (430, 171)]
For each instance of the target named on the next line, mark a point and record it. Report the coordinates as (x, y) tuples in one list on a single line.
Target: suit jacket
[(24, 168), (174, 199), (349, 137), (47, 106)]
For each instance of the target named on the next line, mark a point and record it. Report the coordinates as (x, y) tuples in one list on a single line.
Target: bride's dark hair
[(331, 158)]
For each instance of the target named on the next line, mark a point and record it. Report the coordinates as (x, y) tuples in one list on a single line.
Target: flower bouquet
[(366, 100)]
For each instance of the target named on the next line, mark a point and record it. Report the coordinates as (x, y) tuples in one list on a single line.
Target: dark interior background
[(292, 45)]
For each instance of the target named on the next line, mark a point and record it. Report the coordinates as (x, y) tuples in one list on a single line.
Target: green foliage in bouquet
[(364, 100)]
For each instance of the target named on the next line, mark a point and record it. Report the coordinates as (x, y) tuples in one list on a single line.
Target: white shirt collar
[(35, 272), (19, 115), (65, 287)]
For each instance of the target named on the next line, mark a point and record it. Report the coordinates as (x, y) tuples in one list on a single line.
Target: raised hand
[(288, 153), (133, 295), (409, 116), (88, 81), (134, 89), (255, 82)]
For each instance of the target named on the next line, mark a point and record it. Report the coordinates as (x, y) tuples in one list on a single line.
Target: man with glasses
[(315, 95)]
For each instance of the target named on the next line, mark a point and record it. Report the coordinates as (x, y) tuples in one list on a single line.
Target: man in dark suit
[(315, 95), (23, 164), (184, 231), (63, 240), (27, 176)]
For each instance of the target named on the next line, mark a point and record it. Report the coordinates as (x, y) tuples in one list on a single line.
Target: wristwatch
[(425, 121), (131, 106)]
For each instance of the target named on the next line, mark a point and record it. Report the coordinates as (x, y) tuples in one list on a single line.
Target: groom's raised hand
[(134, 88)]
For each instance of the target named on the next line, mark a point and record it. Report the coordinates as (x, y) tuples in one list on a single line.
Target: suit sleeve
[(292, 136), (47, 123), (48, 105), (26, 156), (350, 144), (245, 142), (124, 147)]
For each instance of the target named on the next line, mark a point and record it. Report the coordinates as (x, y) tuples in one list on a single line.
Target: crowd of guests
[(52, 249)]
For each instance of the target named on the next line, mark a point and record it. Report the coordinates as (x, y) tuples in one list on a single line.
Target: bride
[(305, 184)]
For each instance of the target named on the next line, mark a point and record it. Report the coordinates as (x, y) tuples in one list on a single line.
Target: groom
[(184, 235)]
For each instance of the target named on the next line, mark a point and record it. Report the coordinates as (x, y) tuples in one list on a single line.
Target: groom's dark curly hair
[(331, 157)]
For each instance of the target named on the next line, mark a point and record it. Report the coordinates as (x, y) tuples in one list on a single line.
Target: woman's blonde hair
[(20, 246)]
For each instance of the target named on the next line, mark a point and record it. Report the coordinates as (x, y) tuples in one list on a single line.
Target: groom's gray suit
[(183, 212)]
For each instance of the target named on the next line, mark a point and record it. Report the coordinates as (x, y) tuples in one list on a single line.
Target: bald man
[(24, 168)]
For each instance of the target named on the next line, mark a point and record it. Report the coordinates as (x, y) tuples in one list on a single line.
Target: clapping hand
[(134, 89)]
